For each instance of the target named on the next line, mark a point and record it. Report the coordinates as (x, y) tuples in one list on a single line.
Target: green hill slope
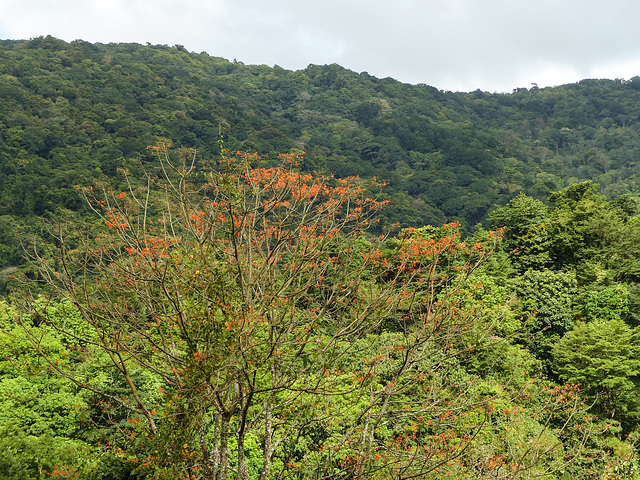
[(70, 112)]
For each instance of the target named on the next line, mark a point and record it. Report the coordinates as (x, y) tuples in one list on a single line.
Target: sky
[(457, 45)]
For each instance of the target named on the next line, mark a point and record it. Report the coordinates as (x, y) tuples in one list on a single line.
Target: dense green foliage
[(558, 304), (581, 297), (506, 338), (70, 112)]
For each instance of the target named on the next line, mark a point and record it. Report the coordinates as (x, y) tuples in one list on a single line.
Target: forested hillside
[(73, 111), (238, 305)]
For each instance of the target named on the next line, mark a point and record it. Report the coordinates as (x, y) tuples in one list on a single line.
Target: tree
[(255, 326), (602, 357), (547, 296), (41, 427), (608, 303), (523, 220), (582, 223)]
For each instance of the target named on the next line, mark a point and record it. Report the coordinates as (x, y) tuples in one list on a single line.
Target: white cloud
[(155, 21)]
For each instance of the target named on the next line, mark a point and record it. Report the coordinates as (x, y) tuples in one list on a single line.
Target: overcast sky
[(493, 45)]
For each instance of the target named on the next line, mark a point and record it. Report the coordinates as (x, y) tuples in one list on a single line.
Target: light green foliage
[(495, 295), (526, 238), (39, 407), (583, 232), (573, 260), (31, 457), (546, 297), (30, 395), (608, 303), (518, 216), (500, 360), (52, 426), (41, 414), (603, 357), (491, 286), (581, 223), (622, 253)]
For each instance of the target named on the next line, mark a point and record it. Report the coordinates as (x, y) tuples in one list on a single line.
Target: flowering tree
[(277, 334)]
